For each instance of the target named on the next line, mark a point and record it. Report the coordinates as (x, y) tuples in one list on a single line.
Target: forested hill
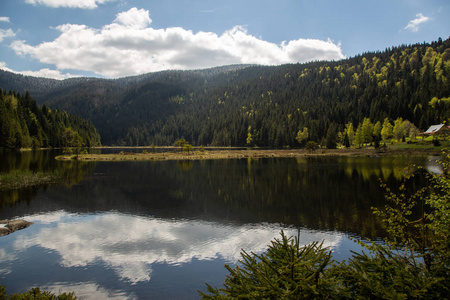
[(258, 105), (23, 124)]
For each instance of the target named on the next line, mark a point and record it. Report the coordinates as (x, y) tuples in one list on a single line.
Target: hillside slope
[(257, 105), (23, 124)]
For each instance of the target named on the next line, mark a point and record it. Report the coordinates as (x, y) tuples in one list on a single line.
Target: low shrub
[(36, 293)]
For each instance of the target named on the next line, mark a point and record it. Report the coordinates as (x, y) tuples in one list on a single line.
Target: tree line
[(23, 124), (268, 106), (262, 106)]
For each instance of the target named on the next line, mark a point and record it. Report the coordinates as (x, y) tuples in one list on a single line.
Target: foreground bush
[(285, 271), (414, 262), (36, 294)]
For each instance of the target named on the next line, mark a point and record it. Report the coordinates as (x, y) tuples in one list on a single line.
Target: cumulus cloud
[(136, 18), (45, 72), (83, 4), (130, 244), (48, 73), (5, 33), (4, 19), (413, 25), (130, 46), (88, 290)]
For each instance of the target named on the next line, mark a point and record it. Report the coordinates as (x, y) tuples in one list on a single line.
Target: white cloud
[(413, 25), (46, 72), (3, 66), (4, 19), (130, 244), (134, 18), (5, 33), (87, 290), (129, 46), (84, 4)]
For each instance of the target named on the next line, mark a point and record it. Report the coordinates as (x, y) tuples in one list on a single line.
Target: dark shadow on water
[(317, 193)]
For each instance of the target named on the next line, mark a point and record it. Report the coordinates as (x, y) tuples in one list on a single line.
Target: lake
[(160, 230)]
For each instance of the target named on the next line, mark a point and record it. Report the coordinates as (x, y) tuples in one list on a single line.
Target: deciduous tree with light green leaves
[(302, 135), (359, 138), (399, 129), (350, 133), (387, 130), (184, 146), (377, 129), (249, 141), (367, 130)]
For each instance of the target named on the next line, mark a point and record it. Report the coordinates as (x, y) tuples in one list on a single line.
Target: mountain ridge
[(256, 105)]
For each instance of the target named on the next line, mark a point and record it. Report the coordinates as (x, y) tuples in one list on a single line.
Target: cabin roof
[(437, 129)]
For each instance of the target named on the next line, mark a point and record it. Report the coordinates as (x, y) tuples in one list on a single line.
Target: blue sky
[(116, 38)]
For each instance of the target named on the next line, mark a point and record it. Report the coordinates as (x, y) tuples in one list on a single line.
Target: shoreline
[(249, 153)]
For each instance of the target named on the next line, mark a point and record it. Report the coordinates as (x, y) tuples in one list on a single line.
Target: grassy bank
[(249, 153), (18, 179)]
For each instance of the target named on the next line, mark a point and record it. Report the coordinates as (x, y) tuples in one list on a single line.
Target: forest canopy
[(23, 124), (267, 106)]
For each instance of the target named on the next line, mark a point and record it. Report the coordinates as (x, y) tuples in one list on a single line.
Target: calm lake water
[(160, 230)]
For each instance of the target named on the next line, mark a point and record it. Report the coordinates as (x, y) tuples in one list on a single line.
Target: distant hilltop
[(250, 105)]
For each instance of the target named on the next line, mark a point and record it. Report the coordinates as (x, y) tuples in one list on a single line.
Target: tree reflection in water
[(131, 229), (334, 193)]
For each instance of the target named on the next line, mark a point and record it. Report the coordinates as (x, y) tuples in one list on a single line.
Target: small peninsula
[(250, 153)]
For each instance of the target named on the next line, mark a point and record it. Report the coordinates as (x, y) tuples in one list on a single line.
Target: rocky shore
[(9, 226)]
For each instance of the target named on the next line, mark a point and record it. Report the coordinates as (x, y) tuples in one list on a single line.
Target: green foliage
[(331, 137), (311, 146), (367, 130), (387, 130), (346, 141), (385, 274), (350, 133), (18, 179), (359, 137), (414, 262), (24, 125), (409, 82), (419, 225), (249, 140), (440, 107), (285, 271), (436, 142), (180, 143), (302, 135), (36, 294), (377, 130), (184, 146), (187, 148)]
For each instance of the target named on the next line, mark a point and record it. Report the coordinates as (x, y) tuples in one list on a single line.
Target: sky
[(117, 38)]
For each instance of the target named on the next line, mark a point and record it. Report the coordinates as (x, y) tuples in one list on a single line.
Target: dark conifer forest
[(23, 124), (247, 105)]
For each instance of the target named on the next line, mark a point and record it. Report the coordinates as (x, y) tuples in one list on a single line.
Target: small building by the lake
[(437, 130)]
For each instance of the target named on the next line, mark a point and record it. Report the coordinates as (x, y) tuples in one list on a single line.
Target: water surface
[(160, 230)]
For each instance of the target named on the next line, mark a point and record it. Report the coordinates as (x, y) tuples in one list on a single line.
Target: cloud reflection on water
[(88, 290), (129, 244)]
